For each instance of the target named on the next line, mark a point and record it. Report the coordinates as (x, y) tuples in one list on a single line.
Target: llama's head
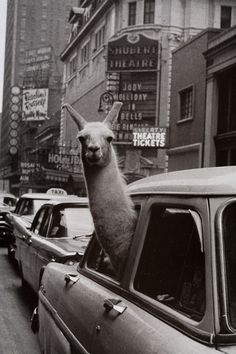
[(95, 137)]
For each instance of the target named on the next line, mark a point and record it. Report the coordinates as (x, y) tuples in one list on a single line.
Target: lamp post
[(106, 99)]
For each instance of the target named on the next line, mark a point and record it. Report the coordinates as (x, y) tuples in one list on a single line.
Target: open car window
[(98, 261), (172, 264)]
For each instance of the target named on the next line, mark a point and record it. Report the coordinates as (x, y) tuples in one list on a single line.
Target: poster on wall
[(35, 104)]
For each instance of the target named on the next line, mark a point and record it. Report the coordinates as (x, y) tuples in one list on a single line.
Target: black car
[(7, 204)]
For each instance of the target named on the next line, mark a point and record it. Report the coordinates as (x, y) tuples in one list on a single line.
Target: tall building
[(123, 50), (203, 105), (36, 33)]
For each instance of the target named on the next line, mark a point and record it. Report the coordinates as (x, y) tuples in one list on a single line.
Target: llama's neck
[(112, 210), (105, 182)]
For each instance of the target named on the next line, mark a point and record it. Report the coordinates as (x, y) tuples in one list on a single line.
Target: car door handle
[(23, 237), (71, 277), (114, 304), (29, 242)]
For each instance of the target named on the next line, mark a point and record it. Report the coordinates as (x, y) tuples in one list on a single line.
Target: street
[(16, 308)]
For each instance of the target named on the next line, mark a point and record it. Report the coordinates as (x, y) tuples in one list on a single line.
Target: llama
[(111, 207)]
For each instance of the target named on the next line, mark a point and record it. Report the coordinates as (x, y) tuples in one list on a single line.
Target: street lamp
[(105, 99)]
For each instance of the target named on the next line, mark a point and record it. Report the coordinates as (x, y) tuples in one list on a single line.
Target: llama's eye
[(109, 139), (81, 138)]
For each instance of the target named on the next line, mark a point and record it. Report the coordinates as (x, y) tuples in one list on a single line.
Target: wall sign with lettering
[(150, 137), (132, 52), (134, 58)]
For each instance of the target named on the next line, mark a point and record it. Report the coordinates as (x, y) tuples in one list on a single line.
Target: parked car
[(178, 290), (27, 206), (60, 232), (7, 204)]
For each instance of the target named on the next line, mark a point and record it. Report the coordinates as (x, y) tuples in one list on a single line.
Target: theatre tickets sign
[(35, 104), (150, 137), (134, 57)]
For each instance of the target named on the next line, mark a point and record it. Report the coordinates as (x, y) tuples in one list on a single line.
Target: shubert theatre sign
[(134, 59)]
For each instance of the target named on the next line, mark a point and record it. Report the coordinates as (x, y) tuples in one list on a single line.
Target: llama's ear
[(113, 114), (78, 119)]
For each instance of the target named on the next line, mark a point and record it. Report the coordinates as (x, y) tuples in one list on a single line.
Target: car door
[(164, 304), (70, 301), (40, 248), (68, 309)]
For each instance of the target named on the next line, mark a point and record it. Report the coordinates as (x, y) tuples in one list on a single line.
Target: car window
[(9, 201), (172, 264), (98, 261), (72, 221), (229, 234), (38, 221), (45, 222), (20, 206), (30, 206), (37, 203)]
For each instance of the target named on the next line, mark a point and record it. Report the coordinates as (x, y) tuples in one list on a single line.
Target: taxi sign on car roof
[(56, 191)]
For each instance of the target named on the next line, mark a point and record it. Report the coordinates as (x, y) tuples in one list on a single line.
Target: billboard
[(35, 104), (37, 67), (132, 63), (132, 52)]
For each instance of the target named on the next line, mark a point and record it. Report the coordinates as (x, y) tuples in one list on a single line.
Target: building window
[(186, 103), (73, 66), (85, 53), (132, 13), (227, 102), (225, 19), (149, 11), (99, 38)]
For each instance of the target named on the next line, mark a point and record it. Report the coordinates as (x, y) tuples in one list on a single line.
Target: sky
[(3, 12)]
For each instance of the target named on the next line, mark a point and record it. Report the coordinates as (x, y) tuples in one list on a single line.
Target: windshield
[(72, 222), (229, 233)]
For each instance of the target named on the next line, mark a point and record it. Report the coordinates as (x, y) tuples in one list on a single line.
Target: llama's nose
[(93, 148)]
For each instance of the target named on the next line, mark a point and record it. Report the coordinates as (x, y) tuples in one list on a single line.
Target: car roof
[(200, 181), (68, 200), (45, 196), (36, 196), (6, 194)]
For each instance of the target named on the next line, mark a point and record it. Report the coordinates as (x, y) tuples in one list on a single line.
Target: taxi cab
[(178, 290), (22, 215), (60, 232)]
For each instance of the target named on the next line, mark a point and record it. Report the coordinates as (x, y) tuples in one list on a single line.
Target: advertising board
[(34, 104)]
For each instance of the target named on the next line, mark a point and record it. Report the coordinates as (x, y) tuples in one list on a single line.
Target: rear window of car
[(8, 201), (172, 265), (72, 222), (27, 206)]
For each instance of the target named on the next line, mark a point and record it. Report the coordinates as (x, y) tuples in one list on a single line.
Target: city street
[(15, 312)]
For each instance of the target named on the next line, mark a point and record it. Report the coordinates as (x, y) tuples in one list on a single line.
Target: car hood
[(70, 245)]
